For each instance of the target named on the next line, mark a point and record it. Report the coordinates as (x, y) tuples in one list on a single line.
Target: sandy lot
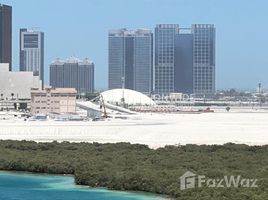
[(155, 130)]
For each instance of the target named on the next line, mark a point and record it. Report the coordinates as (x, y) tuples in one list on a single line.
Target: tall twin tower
[(184, 59), (131, 59)]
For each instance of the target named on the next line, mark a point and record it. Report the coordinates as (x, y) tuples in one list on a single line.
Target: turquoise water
[(23, 186)]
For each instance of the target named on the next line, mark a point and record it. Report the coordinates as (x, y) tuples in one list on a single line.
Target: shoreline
[(29, 173), (137, 168)]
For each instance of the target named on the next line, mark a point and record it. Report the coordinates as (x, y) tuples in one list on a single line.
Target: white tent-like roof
[(131, 97)]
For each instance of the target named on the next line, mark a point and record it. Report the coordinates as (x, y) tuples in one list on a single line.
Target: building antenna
[(123, 88), (259, 88)]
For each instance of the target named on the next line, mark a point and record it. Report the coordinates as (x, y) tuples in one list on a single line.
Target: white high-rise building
[(32, 52)]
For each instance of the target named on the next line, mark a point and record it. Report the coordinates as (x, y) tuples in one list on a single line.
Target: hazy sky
[(80, 28)]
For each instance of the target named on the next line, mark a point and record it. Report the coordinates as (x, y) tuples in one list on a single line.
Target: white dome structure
[(131, 97)]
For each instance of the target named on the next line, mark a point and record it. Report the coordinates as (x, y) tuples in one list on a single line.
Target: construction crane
[(102, 105)]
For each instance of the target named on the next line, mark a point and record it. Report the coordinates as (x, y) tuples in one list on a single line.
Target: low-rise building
[(48, 100)]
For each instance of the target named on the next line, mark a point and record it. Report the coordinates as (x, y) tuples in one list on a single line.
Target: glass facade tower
[(32, 52), (131, 59), (165, 57), (184, 59), (204, 58)]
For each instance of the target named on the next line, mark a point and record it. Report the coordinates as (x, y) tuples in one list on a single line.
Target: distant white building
[(130, 97), (16, 85)]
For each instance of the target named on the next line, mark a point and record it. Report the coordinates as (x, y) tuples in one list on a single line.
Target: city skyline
[(234, 35)]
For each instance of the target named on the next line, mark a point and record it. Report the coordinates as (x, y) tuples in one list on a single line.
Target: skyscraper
[(143, 61), (165, 57), (32, 52), (73, 73), (203, 58), (6, 35), (185, 59), (131, 59)]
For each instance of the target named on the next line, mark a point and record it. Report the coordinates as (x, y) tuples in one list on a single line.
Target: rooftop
[(72, 59), (126, 32), (56, 90)]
